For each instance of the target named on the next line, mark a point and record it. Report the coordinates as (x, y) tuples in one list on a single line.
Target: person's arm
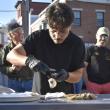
[(17, 56), (63, 75), (77, 63), (75, 76), (85, 76)]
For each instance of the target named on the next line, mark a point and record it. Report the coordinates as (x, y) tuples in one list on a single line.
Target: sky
[(8, 10)]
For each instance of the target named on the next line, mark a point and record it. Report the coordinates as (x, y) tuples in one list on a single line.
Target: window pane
[(44, 25), (77, 22), (99, 15), (100, 19), (100, 23), (77, 18), (77, 14)]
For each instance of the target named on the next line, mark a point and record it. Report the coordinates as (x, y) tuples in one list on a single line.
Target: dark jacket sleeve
[(24, 72), (5, 66)]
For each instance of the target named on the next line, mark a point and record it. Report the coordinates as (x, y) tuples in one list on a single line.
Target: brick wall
[(88, 26)]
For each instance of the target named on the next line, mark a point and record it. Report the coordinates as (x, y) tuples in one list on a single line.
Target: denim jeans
[(20, 86), (77, 87)]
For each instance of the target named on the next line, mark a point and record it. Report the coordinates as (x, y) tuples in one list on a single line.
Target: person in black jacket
[(53, 53), (19, 78), (98, 64)]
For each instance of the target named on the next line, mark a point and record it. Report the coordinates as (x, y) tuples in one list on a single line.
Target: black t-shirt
[(69, 55), (98, 69)]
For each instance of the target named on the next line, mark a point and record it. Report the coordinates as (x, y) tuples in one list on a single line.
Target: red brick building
[(27, 13), (89, 15), (36, 8)]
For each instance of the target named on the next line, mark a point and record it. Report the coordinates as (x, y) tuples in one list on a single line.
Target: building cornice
[(95, 1)]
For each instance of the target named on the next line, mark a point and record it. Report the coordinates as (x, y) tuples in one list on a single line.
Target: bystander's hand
[(14, 68)]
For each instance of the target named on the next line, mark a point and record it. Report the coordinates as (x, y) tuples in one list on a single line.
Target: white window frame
[(100, 20)]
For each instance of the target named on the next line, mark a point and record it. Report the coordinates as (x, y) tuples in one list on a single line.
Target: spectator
[(98, 64), (19, 78)]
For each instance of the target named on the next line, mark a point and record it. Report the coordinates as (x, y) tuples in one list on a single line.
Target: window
[(33, 18), (100, 19), (44, 25), (40, 27), (77, 18)]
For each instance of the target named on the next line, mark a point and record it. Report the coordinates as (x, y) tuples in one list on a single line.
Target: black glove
[(60, 75), (37, 65)]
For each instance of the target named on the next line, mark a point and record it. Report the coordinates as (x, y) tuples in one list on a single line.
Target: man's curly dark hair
[(59, 14)]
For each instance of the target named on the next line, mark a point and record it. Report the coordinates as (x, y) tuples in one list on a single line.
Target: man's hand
[(60, 75), (37, 65), (14, 68)]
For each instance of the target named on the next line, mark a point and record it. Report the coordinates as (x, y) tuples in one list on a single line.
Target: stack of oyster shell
[(81, 96)]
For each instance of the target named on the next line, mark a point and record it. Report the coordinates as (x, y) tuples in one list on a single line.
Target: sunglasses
[(104, 36)]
